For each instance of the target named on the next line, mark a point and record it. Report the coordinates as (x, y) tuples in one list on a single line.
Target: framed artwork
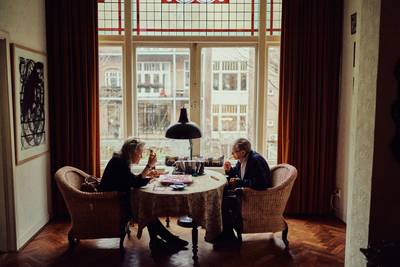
[(31, 120)]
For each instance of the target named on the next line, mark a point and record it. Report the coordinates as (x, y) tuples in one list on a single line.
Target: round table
[(201, 200)]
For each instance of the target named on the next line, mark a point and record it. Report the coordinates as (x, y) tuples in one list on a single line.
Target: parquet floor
[(313, 242)]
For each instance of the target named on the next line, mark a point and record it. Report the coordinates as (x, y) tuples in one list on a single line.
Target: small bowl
[(177, 187)]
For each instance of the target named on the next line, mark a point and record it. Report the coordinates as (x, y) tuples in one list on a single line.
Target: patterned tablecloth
[(201, 200)]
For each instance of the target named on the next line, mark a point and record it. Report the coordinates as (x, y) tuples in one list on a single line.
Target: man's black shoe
[(225, 239)]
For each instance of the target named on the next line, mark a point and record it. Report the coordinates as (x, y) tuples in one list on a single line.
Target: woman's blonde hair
[(130, 145)]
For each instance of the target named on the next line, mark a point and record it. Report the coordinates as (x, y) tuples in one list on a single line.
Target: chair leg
[(71, 239), (167, 221), (128, 230), (239, 234), (122, 237), (195, 240), (285, 235)]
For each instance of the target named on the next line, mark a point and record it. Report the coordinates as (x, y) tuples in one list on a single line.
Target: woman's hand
[(153, 174), (152, 159), (227, 166), (151, 162)]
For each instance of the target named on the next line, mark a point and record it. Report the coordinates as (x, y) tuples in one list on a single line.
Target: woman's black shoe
[(157, 244), (177, 242)]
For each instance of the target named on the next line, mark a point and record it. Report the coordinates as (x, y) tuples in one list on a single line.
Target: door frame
[(7, 159)]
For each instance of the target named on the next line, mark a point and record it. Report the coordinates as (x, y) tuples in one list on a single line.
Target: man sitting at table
[(118, 177), (252, 171)]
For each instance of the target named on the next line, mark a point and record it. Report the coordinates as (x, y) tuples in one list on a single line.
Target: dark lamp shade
[(183, 129)]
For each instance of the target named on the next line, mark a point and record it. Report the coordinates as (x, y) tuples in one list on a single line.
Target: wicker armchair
[(262, 211), (93, 215)]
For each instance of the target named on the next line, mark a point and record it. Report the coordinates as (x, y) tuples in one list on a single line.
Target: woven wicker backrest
[(262, 210), (93, 214), (70, 178), (279, 174), (283, 177), (74, 179)]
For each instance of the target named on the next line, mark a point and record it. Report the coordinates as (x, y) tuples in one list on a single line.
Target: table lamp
[(184, 129)]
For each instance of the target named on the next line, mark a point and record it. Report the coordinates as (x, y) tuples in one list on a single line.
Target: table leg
[(195, 241), (167, 221)]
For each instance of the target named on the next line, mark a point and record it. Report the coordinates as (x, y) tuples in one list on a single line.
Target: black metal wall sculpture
[(396, 116), (32, 103)]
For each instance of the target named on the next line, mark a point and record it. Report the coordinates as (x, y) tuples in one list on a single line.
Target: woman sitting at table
[(118, 177)]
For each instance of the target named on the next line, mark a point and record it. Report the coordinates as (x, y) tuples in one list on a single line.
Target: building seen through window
[(111, 100), (228, 91), (272, 104), (162, 90), (223, 75)]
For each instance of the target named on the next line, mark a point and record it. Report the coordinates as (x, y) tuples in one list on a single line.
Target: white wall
[(357, 124), (24, 20), (346, 98)]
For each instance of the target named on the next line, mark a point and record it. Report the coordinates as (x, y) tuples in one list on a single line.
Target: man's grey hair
[(242, 144), (130, 145)]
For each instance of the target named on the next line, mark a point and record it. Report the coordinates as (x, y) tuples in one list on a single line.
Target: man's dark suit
[(257, 175)]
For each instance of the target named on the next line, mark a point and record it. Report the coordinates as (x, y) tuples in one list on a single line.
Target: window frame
[(130, 43), (124, 106)]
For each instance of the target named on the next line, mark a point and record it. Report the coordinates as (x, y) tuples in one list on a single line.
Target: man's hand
[(227, 166), (233, 182)]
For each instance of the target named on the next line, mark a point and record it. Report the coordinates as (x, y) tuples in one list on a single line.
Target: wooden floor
[(313, 242)]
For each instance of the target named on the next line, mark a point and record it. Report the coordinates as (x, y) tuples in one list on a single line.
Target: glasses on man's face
[(234, 153)]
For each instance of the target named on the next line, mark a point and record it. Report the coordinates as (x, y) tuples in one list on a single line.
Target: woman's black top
[(118, 177)]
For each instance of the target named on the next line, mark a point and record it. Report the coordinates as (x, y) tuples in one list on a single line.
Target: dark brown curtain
[(308, 102), (72, 47)]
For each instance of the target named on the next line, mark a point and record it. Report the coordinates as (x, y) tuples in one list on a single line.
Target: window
[(230, 76), (273, 138), (202, 55), (229, 117), (195, 18), (163, 71), (272, 85), (216, 81), (229, 81), (113, 78), (111, 17), (187, 74), (243, 81), (272, 153), (111, 98), (230, 106), (150, 74)]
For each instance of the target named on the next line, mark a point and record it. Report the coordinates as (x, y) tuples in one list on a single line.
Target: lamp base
[(191, 148), (185, 221)]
